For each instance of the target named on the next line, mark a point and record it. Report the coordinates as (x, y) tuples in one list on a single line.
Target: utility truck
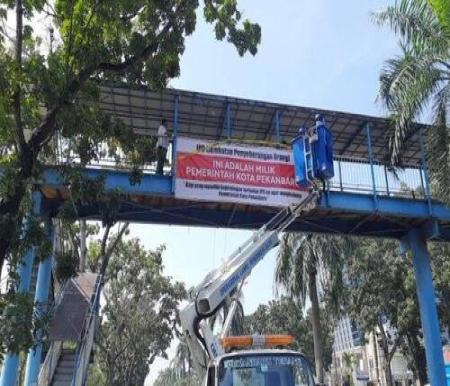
[(256, 360)]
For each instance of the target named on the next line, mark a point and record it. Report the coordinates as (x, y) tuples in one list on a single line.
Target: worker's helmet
[(302, 130), (319, 118)]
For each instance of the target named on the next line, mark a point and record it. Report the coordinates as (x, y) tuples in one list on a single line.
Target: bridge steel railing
[(48, 367), (86, 343), (352, 175)]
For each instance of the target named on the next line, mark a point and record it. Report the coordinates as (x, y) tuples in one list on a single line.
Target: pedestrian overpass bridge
[(365, 198)]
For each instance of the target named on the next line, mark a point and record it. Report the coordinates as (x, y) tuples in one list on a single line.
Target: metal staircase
[(69, 367), (64, 369)]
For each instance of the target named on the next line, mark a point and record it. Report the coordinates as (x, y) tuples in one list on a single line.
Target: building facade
[(362, 358)]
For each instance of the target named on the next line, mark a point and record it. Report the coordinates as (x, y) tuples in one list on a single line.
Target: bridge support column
[(416, 242), (40, 300), (11, 363)]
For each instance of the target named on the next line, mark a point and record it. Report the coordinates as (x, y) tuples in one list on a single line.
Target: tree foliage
[(140, 314), (171, 377), (418, 81), (283, 316), (299, 259), (54, 90), (49, 110), (382, 289), (442, 10), (440, 259)]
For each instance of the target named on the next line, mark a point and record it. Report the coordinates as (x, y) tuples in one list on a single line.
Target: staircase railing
[(48, 367), (51, 361), (84, 348)]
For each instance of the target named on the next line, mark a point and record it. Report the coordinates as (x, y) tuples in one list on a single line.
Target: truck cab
[(262, 367)]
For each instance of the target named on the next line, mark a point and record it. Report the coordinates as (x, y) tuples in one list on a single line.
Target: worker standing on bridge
[(161, 147)]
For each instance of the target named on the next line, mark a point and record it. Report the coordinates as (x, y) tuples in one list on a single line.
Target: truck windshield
[(265, 370)]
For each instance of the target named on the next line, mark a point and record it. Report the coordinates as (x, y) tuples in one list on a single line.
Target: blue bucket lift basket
[(313, 160)]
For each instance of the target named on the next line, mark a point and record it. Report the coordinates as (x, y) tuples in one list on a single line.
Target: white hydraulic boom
[(209, 296)]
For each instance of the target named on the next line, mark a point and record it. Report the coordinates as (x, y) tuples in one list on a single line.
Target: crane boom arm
[(210, 294)]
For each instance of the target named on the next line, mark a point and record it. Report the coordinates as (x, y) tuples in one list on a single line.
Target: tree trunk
[(387, 354), (388, 373), (418, 356), (315, 321), (107, 251), (375, 350), (109, 376)]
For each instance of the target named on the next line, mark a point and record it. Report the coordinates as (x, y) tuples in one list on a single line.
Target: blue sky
[(318, 53)]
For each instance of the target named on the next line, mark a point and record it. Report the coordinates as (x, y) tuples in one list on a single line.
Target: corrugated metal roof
[(204, 115)]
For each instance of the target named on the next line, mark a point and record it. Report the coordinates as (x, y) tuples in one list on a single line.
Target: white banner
[(224, 172)]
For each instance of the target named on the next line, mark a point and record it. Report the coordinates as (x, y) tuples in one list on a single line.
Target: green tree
[(297, 266), (180, 371), (95, 376), (50, 94), (182, 362), (440, 260), (140, 313), (283, 316), (166, 377), (347, 362), (170, 377), (48, 90), (382, 288), (217, 321), (442, 10), (419, 79)]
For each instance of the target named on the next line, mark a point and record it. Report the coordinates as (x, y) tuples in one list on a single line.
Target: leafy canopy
[(49, 112), (417, 82), (140, 314), (283, 316), (54, 90)]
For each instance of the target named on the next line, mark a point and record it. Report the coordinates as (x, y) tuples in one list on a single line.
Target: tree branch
[(104, 240), (113, 245), (45, 131), (17, 94), (131, 15), (383, 337), (73, 241), (107, 252), (444, 63), (133, 60), (393, 349)]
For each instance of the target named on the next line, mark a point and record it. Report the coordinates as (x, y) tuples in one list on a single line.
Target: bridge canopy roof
[(204, 115)]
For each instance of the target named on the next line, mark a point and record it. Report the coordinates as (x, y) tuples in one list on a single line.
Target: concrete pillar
[(40, 300), (11, 363), (428, 310)]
